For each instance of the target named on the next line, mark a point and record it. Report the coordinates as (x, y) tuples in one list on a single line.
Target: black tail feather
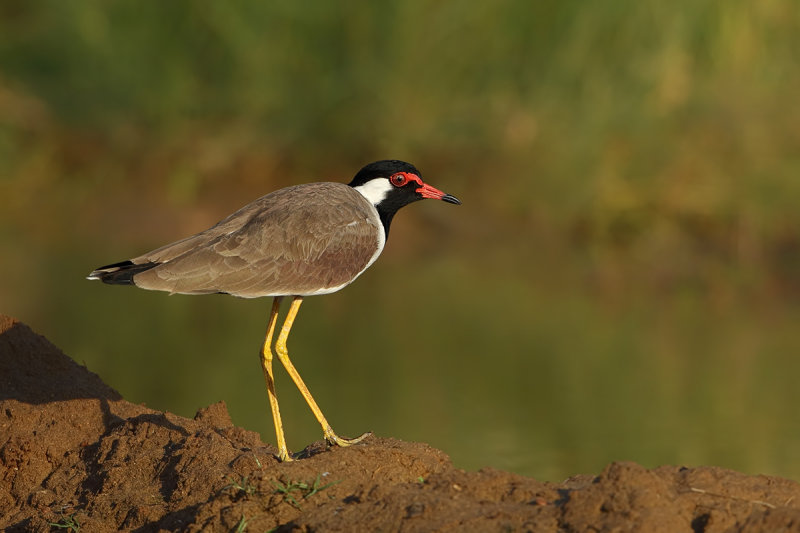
[(120, 273)]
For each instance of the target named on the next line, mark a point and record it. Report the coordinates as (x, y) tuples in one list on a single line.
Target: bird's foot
[(335, 440), (284, 456)]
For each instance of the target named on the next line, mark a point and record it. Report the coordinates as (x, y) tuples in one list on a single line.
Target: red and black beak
[(426, 191)]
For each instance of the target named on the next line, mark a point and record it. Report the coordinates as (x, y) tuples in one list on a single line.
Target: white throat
[(375, 191)]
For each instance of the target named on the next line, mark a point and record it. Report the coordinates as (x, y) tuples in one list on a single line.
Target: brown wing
[(295, 241)]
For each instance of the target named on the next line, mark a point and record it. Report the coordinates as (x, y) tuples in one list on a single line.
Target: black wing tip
[(121, 273)]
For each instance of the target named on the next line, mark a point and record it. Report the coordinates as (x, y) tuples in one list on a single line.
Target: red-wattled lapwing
[(299, 241)]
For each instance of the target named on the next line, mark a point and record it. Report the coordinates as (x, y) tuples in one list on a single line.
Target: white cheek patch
[(375, 191)]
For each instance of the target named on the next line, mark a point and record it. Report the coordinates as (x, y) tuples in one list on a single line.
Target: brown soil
[(75, 454)]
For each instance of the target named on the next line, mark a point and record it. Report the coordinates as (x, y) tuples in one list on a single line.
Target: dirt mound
[(75, 455)]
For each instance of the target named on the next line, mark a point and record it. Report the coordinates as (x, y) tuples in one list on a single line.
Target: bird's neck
[(376, 192), (386, 218)]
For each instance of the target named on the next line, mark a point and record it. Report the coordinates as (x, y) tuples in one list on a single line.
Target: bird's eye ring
[(399, 179)]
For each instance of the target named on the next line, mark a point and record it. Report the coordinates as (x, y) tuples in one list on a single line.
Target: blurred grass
[(620, 283)]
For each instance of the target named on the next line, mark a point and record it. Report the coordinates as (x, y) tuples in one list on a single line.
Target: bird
[(303, 240)]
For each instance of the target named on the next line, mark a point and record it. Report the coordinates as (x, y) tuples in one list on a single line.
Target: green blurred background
[(622, 281)]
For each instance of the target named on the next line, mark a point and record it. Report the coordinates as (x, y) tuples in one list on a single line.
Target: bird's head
[(392, 184)]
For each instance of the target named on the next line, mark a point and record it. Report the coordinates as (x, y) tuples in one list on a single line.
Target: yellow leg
[(283, 355), (266, 365)]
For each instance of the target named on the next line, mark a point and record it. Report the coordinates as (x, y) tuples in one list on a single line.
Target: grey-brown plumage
[(300, 240)]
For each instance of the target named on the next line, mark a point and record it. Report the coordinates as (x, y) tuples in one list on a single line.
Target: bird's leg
[(283, 355), (266, 365)]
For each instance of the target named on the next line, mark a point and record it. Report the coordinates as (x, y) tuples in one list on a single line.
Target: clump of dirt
[(76, 455)]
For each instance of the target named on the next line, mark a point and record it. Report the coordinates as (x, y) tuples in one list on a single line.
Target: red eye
[(399, 179)]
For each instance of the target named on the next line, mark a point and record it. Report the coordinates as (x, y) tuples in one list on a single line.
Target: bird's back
[(301, 240)]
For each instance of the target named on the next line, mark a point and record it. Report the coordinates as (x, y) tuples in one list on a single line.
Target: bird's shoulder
[(309, 216), (323, 204)]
